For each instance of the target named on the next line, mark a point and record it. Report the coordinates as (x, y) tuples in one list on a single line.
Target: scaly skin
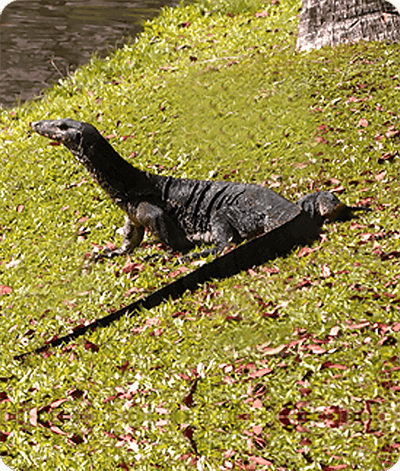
[(183, 212)]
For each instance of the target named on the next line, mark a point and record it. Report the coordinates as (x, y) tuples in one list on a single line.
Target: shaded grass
[(294, 363)]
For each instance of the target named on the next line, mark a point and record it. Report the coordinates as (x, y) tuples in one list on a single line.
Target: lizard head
[(68, 132), (325, 206)]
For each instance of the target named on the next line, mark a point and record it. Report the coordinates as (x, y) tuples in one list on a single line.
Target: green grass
[(294, 363)]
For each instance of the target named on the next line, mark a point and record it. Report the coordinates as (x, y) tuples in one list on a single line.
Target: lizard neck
[(115, 176)]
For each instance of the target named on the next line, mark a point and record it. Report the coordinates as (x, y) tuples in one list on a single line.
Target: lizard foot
[(152, 257), (106, 253), (196, 255)]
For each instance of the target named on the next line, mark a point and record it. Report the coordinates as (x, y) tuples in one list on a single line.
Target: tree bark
[(331, 22)]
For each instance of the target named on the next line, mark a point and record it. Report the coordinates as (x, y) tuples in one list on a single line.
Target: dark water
[(44, 40)]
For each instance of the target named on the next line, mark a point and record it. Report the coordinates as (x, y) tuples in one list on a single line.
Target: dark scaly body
[(198, 210), (181, 212)]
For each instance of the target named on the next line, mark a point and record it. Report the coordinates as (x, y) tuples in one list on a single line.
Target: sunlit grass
[(294, 363)]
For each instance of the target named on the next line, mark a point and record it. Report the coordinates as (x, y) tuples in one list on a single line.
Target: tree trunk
[(346, 21)]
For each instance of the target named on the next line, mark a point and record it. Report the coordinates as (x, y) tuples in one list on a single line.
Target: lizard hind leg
[(222, 235)]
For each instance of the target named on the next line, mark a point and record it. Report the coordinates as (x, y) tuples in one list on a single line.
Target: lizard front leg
[(133, 235), (162, 225)]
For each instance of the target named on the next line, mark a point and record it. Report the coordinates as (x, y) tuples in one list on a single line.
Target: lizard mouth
[(340, 211), (51, 132), (343, 212)]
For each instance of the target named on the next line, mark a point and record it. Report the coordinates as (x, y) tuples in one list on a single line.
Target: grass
[(293, 365)]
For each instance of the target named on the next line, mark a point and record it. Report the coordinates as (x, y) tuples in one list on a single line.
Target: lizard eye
[(63, 126)]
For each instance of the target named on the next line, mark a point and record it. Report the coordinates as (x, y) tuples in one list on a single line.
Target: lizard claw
[(105, 253), (96, 257), (182, 260), (195, 255), (153, 256)]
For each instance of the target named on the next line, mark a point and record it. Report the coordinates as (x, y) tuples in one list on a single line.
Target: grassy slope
[(295, 363)]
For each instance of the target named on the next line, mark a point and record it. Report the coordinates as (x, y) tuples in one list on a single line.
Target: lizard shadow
[(266, 247)]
